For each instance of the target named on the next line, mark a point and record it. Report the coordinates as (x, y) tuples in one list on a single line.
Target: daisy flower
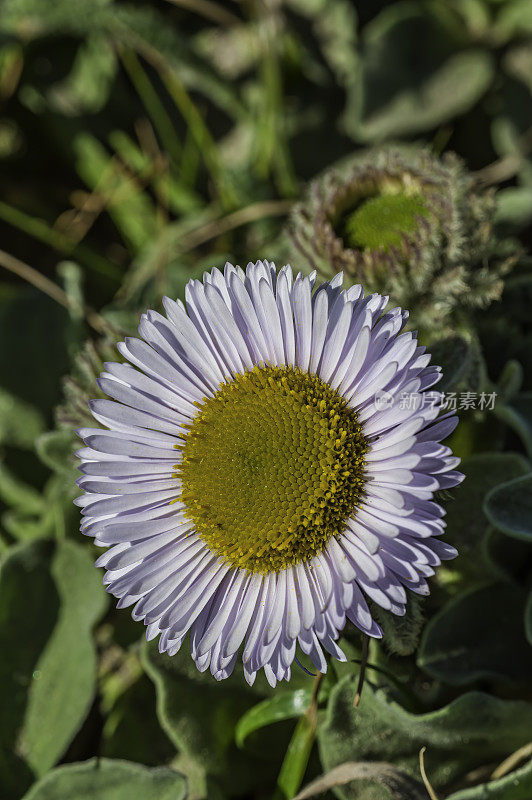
[(268, 462)]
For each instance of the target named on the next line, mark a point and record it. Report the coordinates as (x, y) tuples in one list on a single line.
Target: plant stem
[(152, 104), (271, 147), (362, 673), (512, 761), (251, 213), (430, 791), (191, 114), (297, 755), (39, 229), (201, 136), (209, 10), (50, 288)]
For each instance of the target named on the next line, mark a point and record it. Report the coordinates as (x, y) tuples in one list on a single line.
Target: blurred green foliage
[(142, 143)]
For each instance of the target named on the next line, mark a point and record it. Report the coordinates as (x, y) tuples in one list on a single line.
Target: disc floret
[(272, 466)]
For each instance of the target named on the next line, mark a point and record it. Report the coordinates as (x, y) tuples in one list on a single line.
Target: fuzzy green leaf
[(380, 729), (509, 559), (131, 722), (20, 422), (105, 779), (401, 634), (454, 355), (406, 89), (56, 449), (50, 597), (511, 379), (398, 785), (514, 19), (201, 720), (516, 785), (19, 495), (478, 635), (518, 415), (509, 507), (466, 522), (285, 705)]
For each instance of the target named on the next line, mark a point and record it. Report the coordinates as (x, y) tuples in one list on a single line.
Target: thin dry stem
[(362, 673), (512, 761), (45, 285), (209, 10), (432, 794), (253, 212)]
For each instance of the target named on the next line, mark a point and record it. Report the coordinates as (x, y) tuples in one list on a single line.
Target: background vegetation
[(142, 143)]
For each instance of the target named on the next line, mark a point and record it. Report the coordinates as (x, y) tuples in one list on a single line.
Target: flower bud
[(406, 224)]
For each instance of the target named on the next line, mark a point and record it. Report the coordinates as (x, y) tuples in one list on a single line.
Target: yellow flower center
[(272, 466)]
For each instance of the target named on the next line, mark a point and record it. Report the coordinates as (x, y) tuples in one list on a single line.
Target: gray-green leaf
[(20, 422), (518, 415), (478, 635), (380, 729), (105, 779), (466, 522), (50, 597), (405, 89), (285, 705), (515, 786), (201, 720), (509, 507), (455, 356), (399, 785)]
